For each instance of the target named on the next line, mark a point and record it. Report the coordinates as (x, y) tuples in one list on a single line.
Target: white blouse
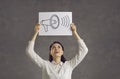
[(60, 71), (57, 66)]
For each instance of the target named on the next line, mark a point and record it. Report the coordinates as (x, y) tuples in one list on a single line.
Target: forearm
[(34, 36), (82, 45), (30, 48), (76, 35), (36, 31), (74, 31)]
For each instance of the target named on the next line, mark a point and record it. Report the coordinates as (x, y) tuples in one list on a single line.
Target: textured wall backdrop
[(97, 21)]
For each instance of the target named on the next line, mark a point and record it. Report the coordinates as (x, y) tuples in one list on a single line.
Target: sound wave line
[(65, 21)]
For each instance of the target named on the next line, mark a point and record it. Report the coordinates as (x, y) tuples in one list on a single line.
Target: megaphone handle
[(45, 28)]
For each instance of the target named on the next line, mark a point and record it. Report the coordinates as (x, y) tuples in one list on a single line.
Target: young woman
[(57, 67)]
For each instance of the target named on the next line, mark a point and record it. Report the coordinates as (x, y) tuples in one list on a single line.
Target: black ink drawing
[(54, 22), (65, 21)]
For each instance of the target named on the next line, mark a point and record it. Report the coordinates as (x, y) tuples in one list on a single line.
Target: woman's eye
[(59, 47), (53, 47)]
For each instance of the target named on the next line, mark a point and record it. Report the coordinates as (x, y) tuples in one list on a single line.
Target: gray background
[(97, 23)]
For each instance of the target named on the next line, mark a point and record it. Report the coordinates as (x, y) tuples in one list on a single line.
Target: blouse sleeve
[(33, 55), (82, 51)]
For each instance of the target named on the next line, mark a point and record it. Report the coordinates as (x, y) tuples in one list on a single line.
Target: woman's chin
[(57, 55)]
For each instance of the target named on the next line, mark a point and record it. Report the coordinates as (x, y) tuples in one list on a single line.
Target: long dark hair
[(63, 59)]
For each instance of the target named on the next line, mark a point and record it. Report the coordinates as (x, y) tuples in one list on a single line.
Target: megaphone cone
[(53, 22)]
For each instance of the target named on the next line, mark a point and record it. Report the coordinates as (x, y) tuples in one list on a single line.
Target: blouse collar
[(61, 63)]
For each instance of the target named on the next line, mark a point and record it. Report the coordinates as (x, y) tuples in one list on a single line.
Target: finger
[(38, 24)]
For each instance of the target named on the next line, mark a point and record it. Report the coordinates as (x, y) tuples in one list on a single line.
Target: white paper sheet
[(55, 23)]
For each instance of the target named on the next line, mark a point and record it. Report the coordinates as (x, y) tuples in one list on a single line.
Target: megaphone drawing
[(54, 22)]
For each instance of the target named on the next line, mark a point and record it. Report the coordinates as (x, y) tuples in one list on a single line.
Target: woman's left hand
[(73, 27), (74, 31)]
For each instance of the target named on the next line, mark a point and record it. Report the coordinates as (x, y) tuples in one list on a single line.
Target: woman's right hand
[(37, 28)]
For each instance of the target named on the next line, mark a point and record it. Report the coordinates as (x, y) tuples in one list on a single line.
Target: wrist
[(76, 35), (74, 32), (36, 32)]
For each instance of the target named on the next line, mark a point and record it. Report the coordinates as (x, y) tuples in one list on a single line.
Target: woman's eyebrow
[(53, 46), (57, 45)]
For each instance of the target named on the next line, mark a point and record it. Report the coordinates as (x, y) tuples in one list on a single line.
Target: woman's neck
[(57, 59)]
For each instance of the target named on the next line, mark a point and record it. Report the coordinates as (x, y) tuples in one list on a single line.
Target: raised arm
[(82, 51), (36, 29), (30, 48), (74, 31)]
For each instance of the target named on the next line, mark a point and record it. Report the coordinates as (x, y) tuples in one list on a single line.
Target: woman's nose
[(56, 48)]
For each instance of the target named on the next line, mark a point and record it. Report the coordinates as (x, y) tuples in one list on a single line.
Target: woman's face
[(56, 50)]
